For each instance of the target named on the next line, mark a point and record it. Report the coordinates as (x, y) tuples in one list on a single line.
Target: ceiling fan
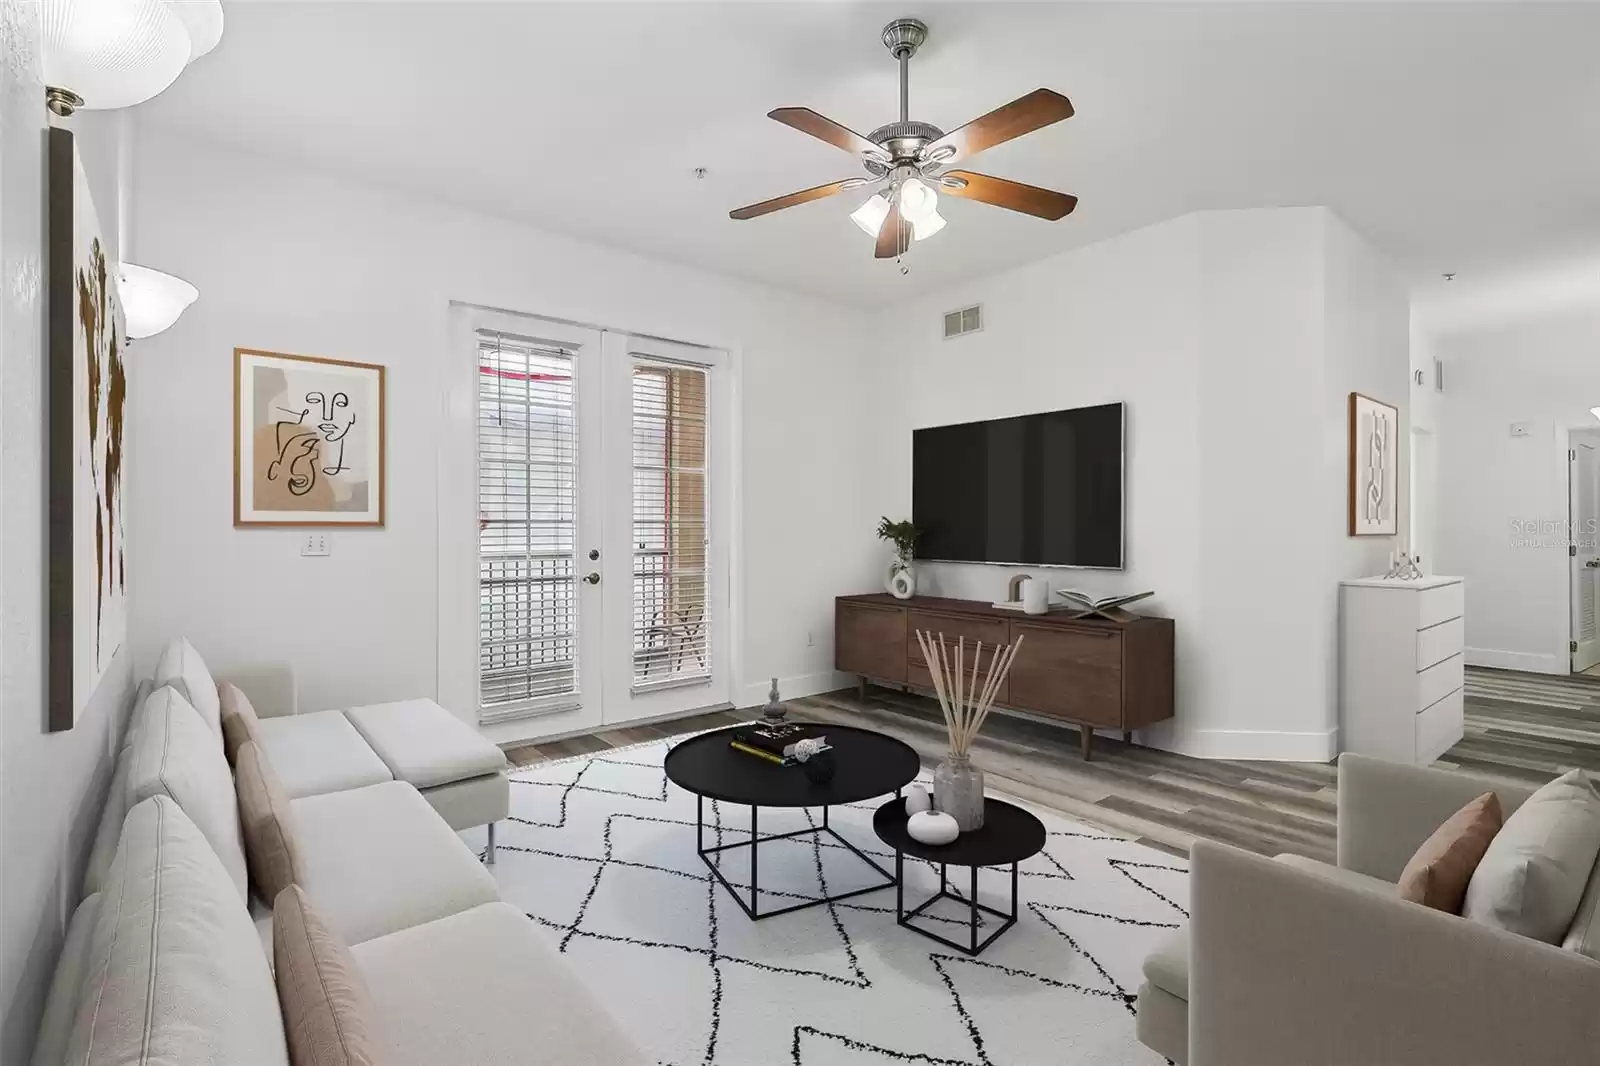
[(909, 159)]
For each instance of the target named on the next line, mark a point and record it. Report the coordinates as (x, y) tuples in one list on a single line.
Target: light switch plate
[(314, 544)]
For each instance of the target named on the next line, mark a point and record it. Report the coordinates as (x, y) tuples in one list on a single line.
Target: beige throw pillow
[(328, 1013), (1438, 873), (269, 841), (1532, 877), (239, 721)]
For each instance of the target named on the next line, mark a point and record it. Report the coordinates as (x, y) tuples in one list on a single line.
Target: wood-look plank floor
[(1521, 727)]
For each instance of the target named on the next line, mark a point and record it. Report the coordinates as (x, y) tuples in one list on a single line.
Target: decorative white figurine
[(917, 800), (932, 827), (805, 749)]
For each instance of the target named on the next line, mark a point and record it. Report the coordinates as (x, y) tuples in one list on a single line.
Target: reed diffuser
[(957, 784)]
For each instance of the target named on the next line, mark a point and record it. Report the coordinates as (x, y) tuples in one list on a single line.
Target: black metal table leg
[(974, 946)]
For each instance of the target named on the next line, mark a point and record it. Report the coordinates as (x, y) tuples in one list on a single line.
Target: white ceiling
[(1459, 137)]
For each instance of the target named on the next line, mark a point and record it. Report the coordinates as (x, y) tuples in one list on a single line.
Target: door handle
[(592, 578), (1593, 564)]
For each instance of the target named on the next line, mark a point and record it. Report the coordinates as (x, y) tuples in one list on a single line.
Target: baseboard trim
[(1262, 744), (1518, 660), (754, 694)]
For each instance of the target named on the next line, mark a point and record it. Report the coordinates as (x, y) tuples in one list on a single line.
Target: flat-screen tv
[(1041, 489)]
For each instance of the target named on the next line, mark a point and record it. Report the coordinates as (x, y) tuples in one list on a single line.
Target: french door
[(600, 562)]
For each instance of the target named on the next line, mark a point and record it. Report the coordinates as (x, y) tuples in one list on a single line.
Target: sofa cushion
[(176, 974), (328, 1012), (271, 850), (487, 965), (66, 986), (424, 744), (1167, 967), (1583, 936), (319, 752), (175, 754), (1532, 878), (181, 667), (1438, 873), (239, 721), (378, 859), (473, 802), (110, 829)]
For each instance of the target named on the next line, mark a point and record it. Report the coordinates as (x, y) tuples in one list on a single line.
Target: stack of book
[(775, 742)]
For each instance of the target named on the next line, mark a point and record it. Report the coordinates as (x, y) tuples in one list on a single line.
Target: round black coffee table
[(867, 764), (1009, 835)]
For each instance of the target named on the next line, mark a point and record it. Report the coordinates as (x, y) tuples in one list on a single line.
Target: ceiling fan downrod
[(903, 37)]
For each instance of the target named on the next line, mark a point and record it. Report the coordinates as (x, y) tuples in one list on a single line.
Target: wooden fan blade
[(894, 236), (1012, 195), (1023, 115), (825, 129), (766, 207)]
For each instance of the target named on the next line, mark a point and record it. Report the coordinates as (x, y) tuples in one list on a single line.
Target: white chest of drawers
[(1400, 667)]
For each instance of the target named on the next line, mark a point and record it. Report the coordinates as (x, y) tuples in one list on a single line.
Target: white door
[(666, 600), (1583, 469), (583, 563)]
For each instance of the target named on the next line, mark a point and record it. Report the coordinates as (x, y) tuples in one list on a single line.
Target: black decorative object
[(1009, 835), (707, 766), (819, 768)]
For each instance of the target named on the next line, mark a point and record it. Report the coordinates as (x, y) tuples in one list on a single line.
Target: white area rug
[(600, 852)]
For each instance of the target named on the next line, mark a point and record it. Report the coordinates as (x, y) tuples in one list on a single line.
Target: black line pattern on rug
[(1118, 864), (861, 1045), (1122, 993)]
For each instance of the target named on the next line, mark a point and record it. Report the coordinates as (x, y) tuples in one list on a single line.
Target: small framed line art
[(308, 441), (1374, 467)]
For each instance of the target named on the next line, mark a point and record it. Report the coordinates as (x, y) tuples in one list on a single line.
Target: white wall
[(51, 784), (1502, 498), (1234, 338), (296, 261)]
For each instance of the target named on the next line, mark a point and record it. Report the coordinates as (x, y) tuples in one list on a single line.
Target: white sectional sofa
[(164, 960), (415, 741)]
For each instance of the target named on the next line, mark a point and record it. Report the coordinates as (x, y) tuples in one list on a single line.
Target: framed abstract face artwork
[(1374, 467), (308, 441), (86, 391)]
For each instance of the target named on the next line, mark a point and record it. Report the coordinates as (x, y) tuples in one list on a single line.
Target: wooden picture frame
[(309, 441), (85, 391), (1374, 470)]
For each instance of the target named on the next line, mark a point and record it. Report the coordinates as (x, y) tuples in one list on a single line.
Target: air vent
[(966, 320)]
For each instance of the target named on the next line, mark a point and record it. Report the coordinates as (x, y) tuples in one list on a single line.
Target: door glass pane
[(527, 498), (671, 635)]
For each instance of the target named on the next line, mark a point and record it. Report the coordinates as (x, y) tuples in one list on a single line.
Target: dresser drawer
[(1440, 604), (1437, 643), (992, 632), (1438, 681), (1439, 727)]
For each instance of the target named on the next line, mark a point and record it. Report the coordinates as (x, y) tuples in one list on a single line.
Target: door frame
[(1580, 538), (457, 534)]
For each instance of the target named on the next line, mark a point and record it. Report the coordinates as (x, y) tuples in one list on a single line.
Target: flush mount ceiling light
[(151, 300), (101, 54), (910, 157)]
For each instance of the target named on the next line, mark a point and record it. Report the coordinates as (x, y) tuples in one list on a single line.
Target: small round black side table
[(868, 764), (1009, 835)]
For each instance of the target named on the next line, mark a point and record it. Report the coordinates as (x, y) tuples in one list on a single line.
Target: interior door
[(666, 556), (1583, 468), (540, 523)]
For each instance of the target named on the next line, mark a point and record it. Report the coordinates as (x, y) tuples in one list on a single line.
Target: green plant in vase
[(901, 580)]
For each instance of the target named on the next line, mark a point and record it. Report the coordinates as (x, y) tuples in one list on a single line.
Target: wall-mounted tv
[(1041, 489)]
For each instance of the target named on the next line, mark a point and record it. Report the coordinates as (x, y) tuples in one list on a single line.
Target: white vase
[(1035, 596), (901, 579)]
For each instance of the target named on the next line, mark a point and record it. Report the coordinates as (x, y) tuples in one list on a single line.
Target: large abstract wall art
[(1374, 467)]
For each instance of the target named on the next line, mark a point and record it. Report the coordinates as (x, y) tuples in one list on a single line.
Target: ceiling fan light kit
[(906, 159)]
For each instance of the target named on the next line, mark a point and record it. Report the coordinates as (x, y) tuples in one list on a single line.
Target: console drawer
[(870, 640), (955, 629), (1438, 681), (1440, 604), (1071, 673), (1439, 727)]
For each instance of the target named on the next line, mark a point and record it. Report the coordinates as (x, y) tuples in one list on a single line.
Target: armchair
[(1295, 962)]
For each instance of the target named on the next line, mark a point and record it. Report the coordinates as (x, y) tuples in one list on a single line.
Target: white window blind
[(527, 485), (671, 623)]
